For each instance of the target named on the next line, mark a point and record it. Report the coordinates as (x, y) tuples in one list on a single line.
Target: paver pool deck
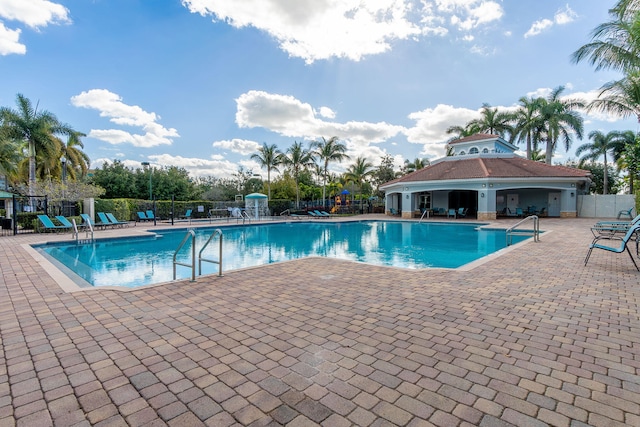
[(528, 338)]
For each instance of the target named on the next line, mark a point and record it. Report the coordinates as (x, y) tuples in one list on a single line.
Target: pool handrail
[(216, 232), (536, 229), (190, 235)]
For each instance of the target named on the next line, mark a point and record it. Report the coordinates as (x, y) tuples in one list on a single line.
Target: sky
[(203, 84)]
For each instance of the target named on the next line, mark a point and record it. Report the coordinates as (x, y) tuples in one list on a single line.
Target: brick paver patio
[(529, 338)]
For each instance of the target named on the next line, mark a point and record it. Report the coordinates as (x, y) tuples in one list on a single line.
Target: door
[(512, 203), (554, 204)]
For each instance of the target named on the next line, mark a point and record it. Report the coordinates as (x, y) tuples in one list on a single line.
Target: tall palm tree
[(627, 156), (298, 159), (36, 128), (602, 145), (327, 151), (492, 121), (460, 132), (358, 173), (527, 123), (615, 44), (10, 156), (620, 97), (415, 165), (268, 156), (559, 120), (77, 160)]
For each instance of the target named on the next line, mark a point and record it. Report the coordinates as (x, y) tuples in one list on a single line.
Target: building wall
[(605, 206)]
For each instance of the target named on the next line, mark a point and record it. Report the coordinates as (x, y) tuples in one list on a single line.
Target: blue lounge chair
[(187, 214), (142, 216), (64, 221), (150, 215), (394, 211), (625, 213), (48, 224), (313, 214), (462, 212), (321, 214), (115, 221), (613, 227), (104, 221), (595, 244)]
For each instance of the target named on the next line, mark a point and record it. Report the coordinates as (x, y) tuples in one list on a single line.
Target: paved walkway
[(529, 338)]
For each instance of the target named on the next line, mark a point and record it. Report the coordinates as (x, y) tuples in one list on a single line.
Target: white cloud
[(322, 29), (215, 167), (327, 113), (32, 13), (9, 42), (241, 146), (290, 117), (562, 17), (110, 105)]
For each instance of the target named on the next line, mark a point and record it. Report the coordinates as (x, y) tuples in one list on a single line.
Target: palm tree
[(559, 119), (77, 160), (615, 44), (627, 156), (358, 173), (492, 121), (601, 145), (36, 128), (621, 97), (298, 159), (269, 157), (527, 123), (328, 150), (460, 132), (10, 156), (417, 164)]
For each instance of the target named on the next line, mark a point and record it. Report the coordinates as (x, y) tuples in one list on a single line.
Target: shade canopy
[(254, 196)]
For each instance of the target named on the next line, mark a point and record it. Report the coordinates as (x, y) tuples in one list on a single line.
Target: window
[(485, 150), (462, 153), (473, 150)]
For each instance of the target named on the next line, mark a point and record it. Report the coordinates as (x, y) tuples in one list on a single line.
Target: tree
[(298, 159), (559, 120), (492, 121), (597, 178), (117, 180), (417, 164), (460, 132), (629, 156), (358, 173), (615, 44), (327, 151), (269, 157), (384, 173), (36, 128), (10, 155), (621, 97), (77, 160), (527, 123), (602, 144)]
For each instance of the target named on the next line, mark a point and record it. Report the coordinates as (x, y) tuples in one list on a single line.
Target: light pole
[(64, 183), (147, 165)]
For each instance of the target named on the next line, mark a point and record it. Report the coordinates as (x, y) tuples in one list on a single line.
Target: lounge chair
[(313, 214), (115, 221), (64, 221), (187, 214), (394, 211), (595, 244), (87, 221), (104, 221), (625, 213), (613, 227), (519, 212), (462, 212), (321, 214), (150, 215), (142, 216), (48, 224)]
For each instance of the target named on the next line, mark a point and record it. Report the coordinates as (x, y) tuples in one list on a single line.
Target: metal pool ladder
[(191, 235), (535, 232), (88, 232)]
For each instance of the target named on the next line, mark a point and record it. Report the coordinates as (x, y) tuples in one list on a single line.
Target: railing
[(535, 232), (245, 217), (88, 232), (216, 232), (285, 212), (426, 212), (190, 235)]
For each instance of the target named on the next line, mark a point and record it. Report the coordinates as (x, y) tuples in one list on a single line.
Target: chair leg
[(633, 260), (586, 260)]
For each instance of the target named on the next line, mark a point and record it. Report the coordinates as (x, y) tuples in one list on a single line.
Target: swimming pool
[(138, 261)]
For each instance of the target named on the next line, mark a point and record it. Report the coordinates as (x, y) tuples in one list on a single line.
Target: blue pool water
[(138, 261)]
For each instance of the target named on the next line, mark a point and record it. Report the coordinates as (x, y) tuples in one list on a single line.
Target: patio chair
[(150, 215), (116, 221), (452, 213), (462, 212), (595, 244), (321, 214), (86, 221), (613, 227), (187, 214), (313, 214), (64, 221), (142, 216), (394, 211), (519, 212), (104, 221), (48, 224), (625, 213)]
